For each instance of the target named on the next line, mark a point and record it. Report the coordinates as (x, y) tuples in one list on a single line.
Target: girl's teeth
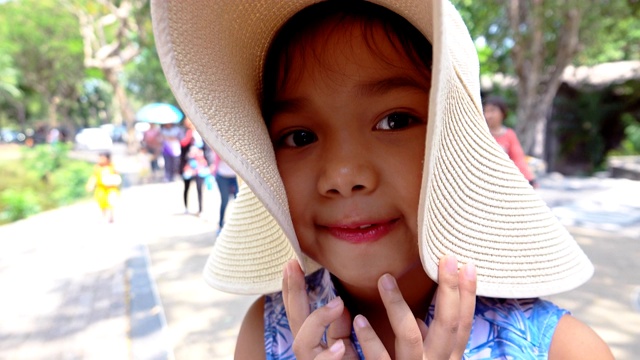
[(365, 226)]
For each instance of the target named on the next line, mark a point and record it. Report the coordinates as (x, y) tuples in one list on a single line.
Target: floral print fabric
[(502, 328)]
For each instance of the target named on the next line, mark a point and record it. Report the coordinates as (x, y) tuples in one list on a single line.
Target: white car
[(93, 139)]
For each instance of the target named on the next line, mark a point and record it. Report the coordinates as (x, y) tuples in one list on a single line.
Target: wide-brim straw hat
[(474, 202)]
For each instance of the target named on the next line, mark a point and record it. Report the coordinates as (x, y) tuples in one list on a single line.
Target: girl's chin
[(367, 274)]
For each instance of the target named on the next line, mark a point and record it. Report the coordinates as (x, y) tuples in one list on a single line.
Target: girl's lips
[(356, 233)]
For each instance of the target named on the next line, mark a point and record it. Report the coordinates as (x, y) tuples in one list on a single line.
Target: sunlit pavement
[(75, 287), (604, 217)]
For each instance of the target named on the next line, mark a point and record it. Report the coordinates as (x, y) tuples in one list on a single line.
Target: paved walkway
[(74, 287), (604, 217)]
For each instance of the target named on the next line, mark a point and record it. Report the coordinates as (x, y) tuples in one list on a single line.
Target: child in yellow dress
[(105, 184)]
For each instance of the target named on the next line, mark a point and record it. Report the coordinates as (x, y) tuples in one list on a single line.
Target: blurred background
[(76, 74)]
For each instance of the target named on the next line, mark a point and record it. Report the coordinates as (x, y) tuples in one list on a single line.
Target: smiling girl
[(377, 206)]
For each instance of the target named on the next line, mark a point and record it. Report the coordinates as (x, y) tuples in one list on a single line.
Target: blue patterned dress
[(502, 328)]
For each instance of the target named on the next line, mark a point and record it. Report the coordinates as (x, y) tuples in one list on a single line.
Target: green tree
[(10, 93), (43, 41), (534, 40), (146, 80), (112, 37), (609, 32), (94, 103)]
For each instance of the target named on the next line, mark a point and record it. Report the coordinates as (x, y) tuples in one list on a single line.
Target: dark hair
[(498, 102), (106, 154), (290, 39)]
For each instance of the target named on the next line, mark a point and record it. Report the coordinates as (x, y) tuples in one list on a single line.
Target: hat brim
[(474, 202)]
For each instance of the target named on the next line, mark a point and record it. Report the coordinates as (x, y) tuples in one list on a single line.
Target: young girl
[(371, 171), (105, 184)]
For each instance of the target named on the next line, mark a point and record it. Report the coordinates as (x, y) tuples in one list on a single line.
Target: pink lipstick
[(361, 233)]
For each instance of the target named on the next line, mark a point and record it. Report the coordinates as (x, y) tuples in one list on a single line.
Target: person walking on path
[(495, 111), (105, 183), (171, 135), (227, 184), (152, 143), (195, 163)]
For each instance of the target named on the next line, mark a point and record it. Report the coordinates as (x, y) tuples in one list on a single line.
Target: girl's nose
[(347, 173)]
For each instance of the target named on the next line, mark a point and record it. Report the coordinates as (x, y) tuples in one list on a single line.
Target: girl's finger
[(340, 331), (309, 337), (333, 352), (409, 344), (467, 282), (371, 345), (444, 330), (294, 294)]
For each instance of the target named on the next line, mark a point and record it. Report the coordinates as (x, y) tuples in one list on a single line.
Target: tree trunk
[(531, 127), (539, 72), (52, 109), (112, 53), (125, 113)]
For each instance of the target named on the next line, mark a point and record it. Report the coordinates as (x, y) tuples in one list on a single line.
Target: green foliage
[(582, 128), (93, 103), (43, 160), (146, 81), (42, 178), (629, 94), (9, 77), (609, 30), (631, 144), (44, 43), (16, 204), (69, 181)]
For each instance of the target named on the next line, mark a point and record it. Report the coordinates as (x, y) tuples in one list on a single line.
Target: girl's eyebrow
[(385, 85)]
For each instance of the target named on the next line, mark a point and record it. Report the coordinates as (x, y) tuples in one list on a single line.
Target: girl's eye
[(298, 138), (396, 121)]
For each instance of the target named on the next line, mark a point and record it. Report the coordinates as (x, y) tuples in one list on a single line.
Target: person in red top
[(495, 111)]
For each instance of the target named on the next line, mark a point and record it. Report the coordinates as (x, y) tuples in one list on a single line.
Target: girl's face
[(103, 160), (349, 136), (493, 115)]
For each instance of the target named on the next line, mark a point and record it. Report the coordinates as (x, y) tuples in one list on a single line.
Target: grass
[(38, 179)]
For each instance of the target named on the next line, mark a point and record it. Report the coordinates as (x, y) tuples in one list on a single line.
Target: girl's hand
[(445, 339), (450, 329), (308, 328)]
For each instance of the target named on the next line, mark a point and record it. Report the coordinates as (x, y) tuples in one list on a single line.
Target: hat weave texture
[(474, 203)]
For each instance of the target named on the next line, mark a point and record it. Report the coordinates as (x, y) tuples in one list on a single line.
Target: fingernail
[(451, 264), (388, 282), (285, 272), (337, 346), (470, 271), (361, 321), (334, 302)]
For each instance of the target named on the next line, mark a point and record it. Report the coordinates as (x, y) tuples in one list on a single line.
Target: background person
[(152, 143), (495, 112), (105, 183), (195, 162), (171, 135), (227, 184)]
